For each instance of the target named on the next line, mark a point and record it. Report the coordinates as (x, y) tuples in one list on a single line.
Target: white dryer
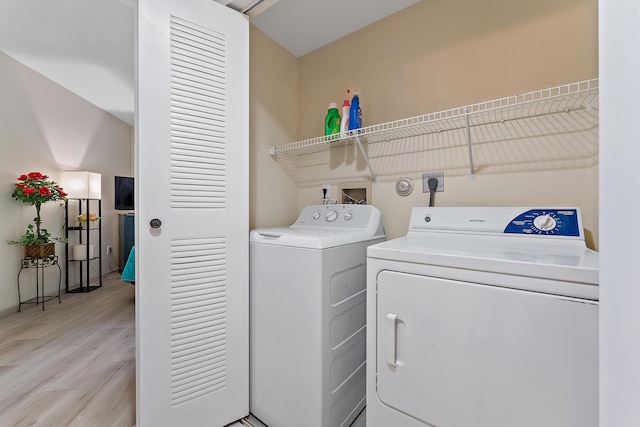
[(308, 316), (483, 317)]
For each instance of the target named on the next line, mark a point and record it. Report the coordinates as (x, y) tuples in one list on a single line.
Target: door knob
[(155, 223)]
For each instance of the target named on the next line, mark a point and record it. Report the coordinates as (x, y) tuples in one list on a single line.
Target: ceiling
[(86, 46), (302, 26)]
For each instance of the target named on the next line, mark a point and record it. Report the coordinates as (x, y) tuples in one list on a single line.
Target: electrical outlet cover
[(425, 179)]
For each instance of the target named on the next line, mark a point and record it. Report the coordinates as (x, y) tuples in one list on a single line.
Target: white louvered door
[(192, 175)]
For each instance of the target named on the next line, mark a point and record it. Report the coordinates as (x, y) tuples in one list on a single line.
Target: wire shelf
[(554, 127)]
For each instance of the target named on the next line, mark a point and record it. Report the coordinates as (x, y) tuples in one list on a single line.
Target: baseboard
[(8, 311)]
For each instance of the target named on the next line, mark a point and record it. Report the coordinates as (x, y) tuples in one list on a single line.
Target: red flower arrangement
[(35, 188)]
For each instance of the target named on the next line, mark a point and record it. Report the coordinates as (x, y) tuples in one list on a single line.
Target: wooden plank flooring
[(72, 364)]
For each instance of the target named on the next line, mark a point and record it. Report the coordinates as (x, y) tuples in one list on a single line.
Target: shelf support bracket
[(472, 175), (366, 158)]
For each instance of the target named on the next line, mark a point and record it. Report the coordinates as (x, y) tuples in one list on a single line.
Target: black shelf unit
[(83, 233)]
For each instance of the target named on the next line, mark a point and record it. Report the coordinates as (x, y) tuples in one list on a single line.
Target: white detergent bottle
[(344, 124)]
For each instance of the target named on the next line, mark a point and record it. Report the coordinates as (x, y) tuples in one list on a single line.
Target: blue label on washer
[(552, 222)]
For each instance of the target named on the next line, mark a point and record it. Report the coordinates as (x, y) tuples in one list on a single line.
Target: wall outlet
[(109, 250), (326, 189), (425, 181)]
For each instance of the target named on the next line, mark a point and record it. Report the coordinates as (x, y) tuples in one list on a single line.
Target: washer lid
[(309, 238)]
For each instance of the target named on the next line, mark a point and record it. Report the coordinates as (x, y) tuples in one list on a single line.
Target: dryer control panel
[(544, 222), (558, 222)]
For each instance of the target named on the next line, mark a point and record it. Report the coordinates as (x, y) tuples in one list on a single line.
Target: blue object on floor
[(129, 270)]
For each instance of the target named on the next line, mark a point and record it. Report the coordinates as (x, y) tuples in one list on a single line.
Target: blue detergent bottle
[(355, 113)]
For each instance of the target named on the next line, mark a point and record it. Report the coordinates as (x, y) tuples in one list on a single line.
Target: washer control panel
[(338, 215)]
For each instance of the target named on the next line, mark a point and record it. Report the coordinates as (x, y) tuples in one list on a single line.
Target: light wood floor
[(72, 364)]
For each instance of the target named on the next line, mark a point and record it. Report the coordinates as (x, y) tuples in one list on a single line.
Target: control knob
[(332, 216), (545, 222)]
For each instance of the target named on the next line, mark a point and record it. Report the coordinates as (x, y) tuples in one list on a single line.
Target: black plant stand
[(39, 264)]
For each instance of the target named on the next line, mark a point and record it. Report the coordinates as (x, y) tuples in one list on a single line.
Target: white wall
[(619, 207), (46, 128)]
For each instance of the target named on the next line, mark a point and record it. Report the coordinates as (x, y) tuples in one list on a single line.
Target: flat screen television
[(124, 193)]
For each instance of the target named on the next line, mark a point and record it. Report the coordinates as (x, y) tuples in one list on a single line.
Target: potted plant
[(35, 189)]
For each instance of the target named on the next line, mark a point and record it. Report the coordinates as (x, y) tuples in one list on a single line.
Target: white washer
[(308, 316), (483, 317)]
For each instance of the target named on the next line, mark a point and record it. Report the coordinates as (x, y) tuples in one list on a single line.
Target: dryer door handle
[(392, 347)]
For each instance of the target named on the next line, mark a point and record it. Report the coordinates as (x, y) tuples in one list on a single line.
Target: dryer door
[(459, 354)]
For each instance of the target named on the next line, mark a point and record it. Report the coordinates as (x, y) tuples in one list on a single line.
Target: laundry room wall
[(441, 54), (273, 112)]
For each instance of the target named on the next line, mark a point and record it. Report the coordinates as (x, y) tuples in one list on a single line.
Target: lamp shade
[(82, 184)]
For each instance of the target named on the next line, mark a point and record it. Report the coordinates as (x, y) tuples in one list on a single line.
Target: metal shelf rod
[(472, 175)]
